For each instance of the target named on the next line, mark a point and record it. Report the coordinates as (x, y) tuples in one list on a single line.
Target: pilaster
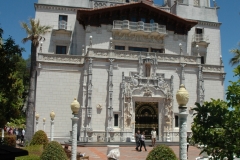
[(89, 104), (201, 89), (110, 96), (122, 106), (182, 78)]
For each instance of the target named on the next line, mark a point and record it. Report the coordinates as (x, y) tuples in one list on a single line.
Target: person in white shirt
[(154, 135)]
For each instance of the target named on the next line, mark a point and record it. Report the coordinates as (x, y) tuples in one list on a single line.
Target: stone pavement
[(129, 153)]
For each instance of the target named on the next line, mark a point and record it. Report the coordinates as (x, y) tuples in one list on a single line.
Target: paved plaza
[(129, 153)]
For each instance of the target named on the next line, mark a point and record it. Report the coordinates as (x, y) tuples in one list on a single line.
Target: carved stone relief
[(137, 38)]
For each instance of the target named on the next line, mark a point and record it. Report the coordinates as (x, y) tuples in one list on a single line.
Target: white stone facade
[(110, 83)]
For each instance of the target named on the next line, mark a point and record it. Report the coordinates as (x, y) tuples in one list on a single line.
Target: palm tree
[(34, 31), (236, 58)]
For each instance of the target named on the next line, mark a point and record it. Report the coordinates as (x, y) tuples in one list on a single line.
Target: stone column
[(74, 137), (52, 115), (44, 120), (75, 106), (182, 97), (52, 130), (37, 117)]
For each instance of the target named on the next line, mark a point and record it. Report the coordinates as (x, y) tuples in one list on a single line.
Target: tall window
[(199, 31), (120, 47), (202, 60), (62, 22), (138, 49), (61, 49), (148, 69), (115, 120), (158, 50), (176, 121)]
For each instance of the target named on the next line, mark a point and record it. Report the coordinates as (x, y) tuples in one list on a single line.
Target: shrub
[(9, 140), (162, 152), (39, 138), (33, 151), (29, 157), (53, 151)]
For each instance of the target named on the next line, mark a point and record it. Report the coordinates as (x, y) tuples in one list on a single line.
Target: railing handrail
[(140, 25)]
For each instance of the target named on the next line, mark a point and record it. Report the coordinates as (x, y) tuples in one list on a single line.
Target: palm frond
[(24, 40), (27, 29), (236, 57), (35, 31)]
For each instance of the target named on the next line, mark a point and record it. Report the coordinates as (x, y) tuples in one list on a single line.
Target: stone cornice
[(55, 7), (118, 55), (205, 23)]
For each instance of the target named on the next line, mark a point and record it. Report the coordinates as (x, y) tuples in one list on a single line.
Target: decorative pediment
[(129, 11)]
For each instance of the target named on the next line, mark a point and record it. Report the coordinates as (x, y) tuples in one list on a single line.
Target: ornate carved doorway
[(146, 117)]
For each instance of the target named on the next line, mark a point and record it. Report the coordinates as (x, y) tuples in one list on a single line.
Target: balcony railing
[(200, 38), (139, 26)]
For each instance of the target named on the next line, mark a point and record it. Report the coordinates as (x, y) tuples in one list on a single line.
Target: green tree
[(35, 32), (11, 86), (216, 124)]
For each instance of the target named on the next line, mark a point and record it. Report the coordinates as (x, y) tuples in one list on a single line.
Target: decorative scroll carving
[(147, 92), (60, 58), (100, 4), (190, 60), (212, 68), (137, 38), (165, 58)]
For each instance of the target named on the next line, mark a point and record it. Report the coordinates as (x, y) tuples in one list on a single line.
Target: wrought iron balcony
[(200, 39), (139, 27)]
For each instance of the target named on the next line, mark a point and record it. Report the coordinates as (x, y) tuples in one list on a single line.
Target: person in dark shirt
[(142, 140), (137, 139)]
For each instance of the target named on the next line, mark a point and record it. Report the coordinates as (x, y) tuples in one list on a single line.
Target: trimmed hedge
[(39, 138), (34, 153), (29, 157), (162, 152), (9, 140), (53, 151)]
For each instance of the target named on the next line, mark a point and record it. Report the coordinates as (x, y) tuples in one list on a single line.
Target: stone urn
[(52, 115), (75, 106), (182, 96), (37, 116)]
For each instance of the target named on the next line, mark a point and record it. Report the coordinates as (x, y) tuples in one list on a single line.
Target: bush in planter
[(161, 152), (53, 151), (39, 138)]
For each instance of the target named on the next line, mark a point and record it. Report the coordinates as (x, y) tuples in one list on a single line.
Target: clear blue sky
[(14, 11)]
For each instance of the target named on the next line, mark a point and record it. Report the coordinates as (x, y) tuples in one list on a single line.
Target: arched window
[(147, 69)]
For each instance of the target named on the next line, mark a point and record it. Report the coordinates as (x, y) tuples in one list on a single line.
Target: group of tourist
[(140, 139), (19, 132)]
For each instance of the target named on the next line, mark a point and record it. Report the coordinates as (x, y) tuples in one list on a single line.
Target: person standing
[(154, 135), (137, 139), (142, 140), (23, 133)]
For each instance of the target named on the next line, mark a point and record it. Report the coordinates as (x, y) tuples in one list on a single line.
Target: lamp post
[(44, 120), (182, 97), (52, 116), (180, 45), (90, 41), (75, 106), (110, 40), (37, 118)]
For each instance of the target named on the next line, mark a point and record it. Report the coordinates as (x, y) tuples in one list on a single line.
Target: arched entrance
[(146, 117)]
